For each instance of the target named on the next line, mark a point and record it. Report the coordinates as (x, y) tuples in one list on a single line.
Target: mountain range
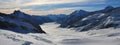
[(80, 20), (21, 22), (83, 20)]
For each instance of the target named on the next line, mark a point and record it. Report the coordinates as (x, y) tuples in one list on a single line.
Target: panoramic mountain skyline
[(44, 7), (60, 22)]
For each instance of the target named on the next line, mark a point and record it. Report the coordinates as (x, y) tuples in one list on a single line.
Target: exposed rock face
[(19, 22), (24, 23), (105, 18), (74, 17)]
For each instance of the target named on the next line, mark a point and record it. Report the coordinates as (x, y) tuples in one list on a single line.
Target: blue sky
[(43, 7)]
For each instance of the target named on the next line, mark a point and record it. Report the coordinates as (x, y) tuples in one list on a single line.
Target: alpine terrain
[(101, 27)]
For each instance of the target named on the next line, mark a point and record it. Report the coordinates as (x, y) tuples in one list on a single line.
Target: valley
[(61, 36)]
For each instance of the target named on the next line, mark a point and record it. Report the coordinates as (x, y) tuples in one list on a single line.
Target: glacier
[(61, 36)]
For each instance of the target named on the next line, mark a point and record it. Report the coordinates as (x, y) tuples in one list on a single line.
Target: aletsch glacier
[(79, 28), (61, 36)]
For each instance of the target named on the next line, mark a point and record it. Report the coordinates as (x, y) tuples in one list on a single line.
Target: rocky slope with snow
[(105, 18), (73, 17), (19, 23)]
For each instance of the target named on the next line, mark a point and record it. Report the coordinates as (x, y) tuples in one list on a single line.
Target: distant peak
[(81, 11), (109, 7), (16, 11)]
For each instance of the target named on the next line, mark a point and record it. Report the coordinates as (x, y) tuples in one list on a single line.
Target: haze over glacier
[(61, 36)]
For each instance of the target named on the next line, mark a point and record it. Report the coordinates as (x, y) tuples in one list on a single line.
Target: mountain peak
[(109, 7), (17, 11), (81, 11), (19, 14)]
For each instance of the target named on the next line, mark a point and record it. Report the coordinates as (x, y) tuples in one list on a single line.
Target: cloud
[(22, 3), (54, 6), (55, 11), (40, 2), (46, 7)]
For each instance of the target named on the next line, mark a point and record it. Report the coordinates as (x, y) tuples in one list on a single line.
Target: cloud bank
[(44, 7)]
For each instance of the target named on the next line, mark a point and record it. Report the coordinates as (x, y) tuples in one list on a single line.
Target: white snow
[(61, 36)]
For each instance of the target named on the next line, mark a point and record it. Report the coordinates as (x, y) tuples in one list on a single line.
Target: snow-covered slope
[(105, 18), (61, 36), (12, 38), (73, 17)]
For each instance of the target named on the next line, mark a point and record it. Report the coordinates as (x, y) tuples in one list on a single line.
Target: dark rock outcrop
[(16, 23), (105, 18)]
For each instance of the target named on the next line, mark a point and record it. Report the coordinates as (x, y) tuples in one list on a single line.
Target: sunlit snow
[(61, 36)]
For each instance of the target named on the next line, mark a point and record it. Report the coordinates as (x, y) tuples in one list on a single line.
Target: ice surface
[(61, 36)]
